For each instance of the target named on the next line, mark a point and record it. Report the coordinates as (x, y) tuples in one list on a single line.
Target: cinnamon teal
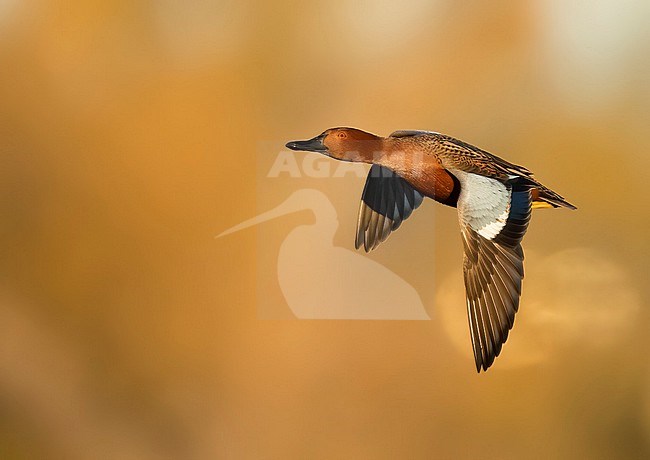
[(494, 199)]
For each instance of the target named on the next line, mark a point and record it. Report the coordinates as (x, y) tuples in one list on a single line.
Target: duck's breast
[(436, 183), (418, 163)]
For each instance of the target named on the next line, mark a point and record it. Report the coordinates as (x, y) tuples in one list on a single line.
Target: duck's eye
[(341, 135)]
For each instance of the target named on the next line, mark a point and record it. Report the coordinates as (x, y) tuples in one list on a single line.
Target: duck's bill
[(311, 145)]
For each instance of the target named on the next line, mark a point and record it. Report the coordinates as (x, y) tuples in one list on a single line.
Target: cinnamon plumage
[(494, 199)]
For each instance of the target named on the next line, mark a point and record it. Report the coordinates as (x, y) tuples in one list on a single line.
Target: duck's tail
[(544, 197)]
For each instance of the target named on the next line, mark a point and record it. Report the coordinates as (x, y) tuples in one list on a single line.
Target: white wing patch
[(494, 228), (483, 203)]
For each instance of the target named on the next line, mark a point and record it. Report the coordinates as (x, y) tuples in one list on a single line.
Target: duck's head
[(346, 144)]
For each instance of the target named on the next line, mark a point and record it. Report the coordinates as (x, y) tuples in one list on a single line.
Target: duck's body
[(416, 158), (494, 200)]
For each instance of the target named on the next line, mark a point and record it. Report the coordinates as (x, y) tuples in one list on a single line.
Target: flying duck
[(494, 199)]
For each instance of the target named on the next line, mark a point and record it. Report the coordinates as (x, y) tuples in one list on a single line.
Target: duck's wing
[(494, 217), (457, 154), (411, 133), (386, 202)]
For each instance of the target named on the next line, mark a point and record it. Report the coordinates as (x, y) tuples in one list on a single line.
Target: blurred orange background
[(130, 135)]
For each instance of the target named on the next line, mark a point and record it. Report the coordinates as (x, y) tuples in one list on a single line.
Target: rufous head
[(346, 144)]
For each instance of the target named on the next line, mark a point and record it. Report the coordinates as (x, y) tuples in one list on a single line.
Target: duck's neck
[(395, 155), (382, 151), (366, 151)]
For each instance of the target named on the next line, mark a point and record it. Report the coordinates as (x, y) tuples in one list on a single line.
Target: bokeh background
[(131, 134)]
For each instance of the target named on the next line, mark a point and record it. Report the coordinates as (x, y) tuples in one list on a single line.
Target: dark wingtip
[(564, 203)]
